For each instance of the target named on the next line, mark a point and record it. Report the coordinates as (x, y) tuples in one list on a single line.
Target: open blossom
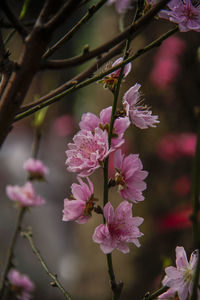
[(120, 228), (180, 279), (25, 195), (185, 13), (87, 152), (20, 284), (80, 206), (112, 79), (141, 115), (121, 5), (129, 176), (89, 121), (35, 168)]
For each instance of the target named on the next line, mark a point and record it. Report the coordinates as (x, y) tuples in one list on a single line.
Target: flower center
[(120, 181), (188, 275)]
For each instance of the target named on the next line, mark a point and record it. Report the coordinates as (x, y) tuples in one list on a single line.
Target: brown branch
[(132, 31), (91, 11), (14, 20)]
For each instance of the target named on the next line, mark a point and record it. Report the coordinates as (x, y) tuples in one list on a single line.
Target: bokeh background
[(169, 76)]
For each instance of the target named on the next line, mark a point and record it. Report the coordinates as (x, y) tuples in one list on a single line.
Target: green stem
[(92, 10), (157, 293), (56, 98), (55, 282), (196, 207), (11, 249)]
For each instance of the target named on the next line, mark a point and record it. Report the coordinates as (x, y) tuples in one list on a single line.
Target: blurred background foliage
[(166, 153)]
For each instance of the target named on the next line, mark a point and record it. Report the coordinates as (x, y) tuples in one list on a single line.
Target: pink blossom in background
[(121, 5), (174, 146), (80, 206), (166, 62), (180, 278), (181, 186), (35, 168), (184, 13), (64, 125), (87, 152), (24, 196), (120, 228), (111, 79), (140, 115), (89, 121), (129, 176), (20, 284)]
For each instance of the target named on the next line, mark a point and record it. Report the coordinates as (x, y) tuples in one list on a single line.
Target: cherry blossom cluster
[(88, 152), (20, 285), (25, 196), (180, 279)]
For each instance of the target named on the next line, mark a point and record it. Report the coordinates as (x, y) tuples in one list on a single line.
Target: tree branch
[(91, 11), (14, 20), (27, 234), (157, 293), (73, 85), (132, 31)]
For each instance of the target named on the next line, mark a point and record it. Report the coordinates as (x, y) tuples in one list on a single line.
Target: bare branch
[(132, 31), (91, 11)]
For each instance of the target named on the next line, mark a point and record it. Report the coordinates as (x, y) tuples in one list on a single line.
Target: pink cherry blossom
[(90, 121), (121, 5), (112, 79), (129, 176), (180, 278), (88, 151), (20, 284), (35, 168), (24, 196), (183, 12), (79, 208), (141, 115), (120, 228)]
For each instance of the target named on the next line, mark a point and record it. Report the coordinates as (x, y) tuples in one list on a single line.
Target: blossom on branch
[(24, 196), (130, 176), (88, 151), (112, 79), (180, 279), (20, 284), (90, 121), (185, 13), (120, 228), (35, 168), (140, 115), (81, 204)]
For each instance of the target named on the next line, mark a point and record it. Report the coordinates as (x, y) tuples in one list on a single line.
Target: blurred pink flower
[(24, 196), (80, 206), (87, 152), (185, 13), (35, 168), (182, 185), (168, 295), (111, 79), (121, 5), (64, 125), (89, 121), (180, 278), (140, 115), (173, 146), (129, 176), (120, 228), (21, 285)]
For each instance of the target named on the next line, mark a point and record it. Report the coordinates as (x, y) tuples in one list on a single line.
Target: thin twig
[(91, 11), (132, 30), (40, 103), (11, 249), (157, 293), (27, 234), (14, 20)]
